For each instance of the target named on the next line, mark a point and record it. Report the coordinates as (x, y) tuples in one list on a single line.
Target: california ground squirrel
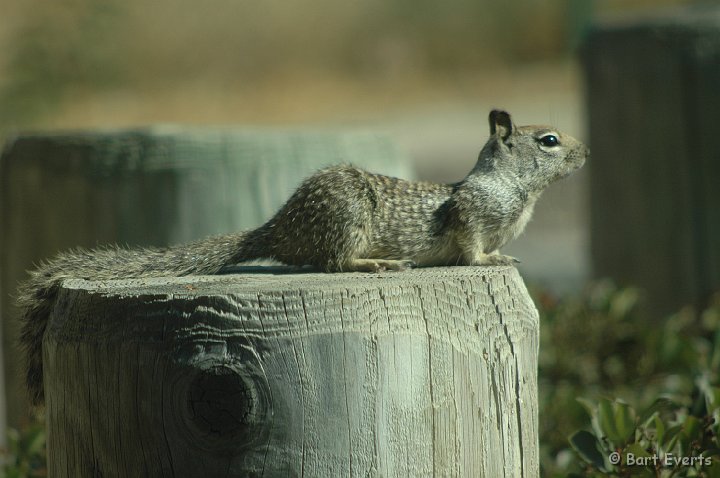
[(345, 219)]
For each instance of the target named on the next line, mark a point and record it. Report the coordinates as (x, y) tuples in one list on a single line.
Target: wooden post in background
[(653, 86), (429, 372), (154, 186)]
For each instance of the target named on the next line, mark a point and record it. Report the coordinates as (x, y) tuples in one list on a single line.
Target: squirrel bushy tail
[(36, 295)]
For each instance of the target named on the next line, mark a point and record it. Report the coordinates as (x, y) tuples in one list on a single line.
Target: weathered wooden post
[(429, 372), (151, 186), (653, 87)]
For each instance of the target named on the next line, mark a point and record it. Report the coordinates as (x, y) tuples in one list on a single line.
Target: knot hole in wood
[(226, 405)]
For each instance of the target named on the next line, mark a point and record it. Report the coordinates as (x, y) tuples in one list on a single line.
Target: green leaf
[(713, 471), (588, 405), (13, 437), (671, 436), (659, 405), (715, 356), (659, 429), (636, 469), (637, 450), (34, 441), (624, 421), (712, 395), (711, 451), (623, 302), (691, 426), (588, 447), (606, 420)]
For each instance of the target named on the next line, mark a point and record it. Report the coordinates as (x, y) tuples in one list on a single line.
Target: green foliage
[(25, 455), (595, 346), (665, 440)]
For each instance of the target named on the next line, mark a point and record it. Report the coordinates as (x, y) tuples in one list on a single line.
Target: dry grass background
[(85, 63)]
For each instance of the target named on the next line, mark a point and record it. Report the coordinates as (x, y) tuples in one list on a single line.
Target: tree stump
[(654, 108), (153, 186), (429, 372)]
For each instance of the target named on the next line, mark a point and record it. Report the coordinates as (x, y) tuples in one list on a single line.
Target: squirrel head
[(536, 155)]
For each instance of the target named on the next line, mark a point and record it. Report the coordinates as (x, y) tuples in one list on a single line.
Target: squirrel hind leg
[(376, 265)]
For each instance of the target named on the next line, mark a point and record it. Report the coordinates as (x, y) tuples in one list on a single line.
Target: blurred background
[(424, 73)]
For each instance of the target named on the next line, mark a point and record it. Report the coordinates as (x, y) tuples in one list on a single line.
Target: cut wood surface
[(428, 372)]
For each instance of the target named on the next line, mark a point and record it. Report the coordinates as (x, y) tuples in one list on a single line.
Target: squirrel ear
[(501, 123)]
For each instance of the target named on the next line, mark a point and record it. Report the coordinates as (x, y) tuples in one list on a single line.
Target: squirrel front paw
[(378, 265)]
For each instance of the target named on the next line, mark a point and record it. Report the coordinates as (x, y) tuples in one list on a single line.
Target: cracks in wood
[(433, 365), (345, 380)]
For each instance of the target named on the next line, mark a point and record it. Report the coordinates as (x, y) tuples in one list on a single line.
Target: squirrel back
[(343, 219)]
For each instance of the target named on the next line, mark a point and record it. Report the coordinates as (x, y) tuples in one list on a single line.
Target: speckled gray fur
[(345, 219)]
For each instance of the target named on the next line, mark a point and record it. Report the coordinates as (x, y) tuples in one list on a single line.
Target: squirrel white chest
[(494, 238), (525, 217)]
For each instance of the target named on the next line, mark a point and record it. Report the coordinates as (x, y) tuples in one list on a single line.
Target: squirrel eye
[(549, 140)]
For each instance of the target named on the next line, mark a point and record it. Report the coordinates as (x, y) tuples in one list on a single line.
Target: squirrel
[(344, 219)]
